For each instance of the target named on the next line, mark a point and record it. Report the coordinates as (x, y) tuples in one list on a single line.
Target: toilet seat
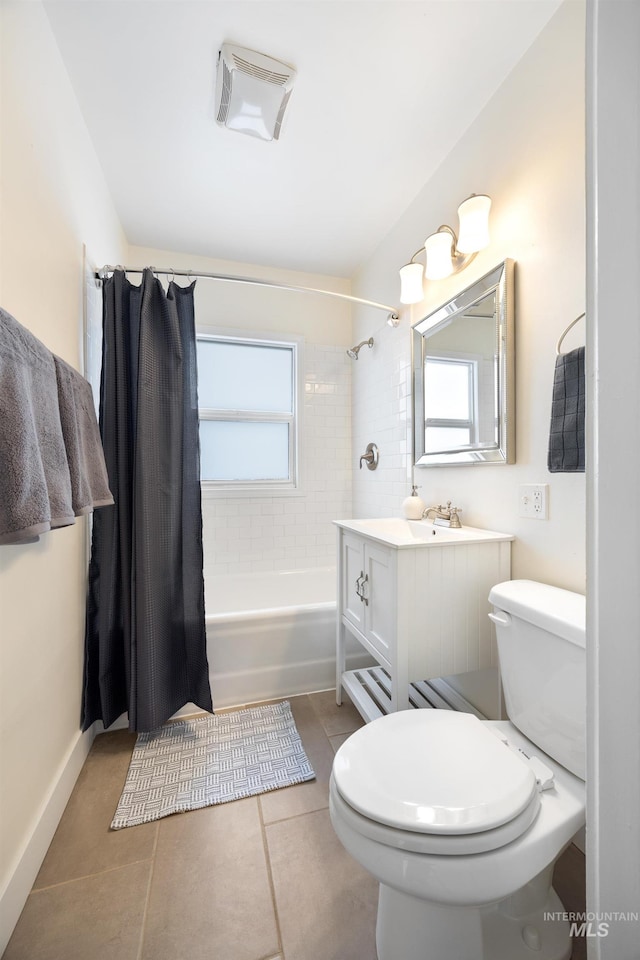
[(435, 781), (444, 844)]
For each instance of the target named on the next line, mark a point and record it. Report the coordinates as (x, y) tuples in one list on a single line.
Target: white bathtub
[(270, 634), (254, 594)]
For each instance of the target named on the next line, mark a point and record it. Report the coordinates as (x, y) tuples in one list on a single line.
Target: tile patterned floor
[(263, 878)]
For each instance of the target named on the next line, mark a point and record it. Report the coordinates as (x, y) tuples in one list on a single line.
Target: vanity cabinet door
[(379, 591), (368, 592), (352, 575)]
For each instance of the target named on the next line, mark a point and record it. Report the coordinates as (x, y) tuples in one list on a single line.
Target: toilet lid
[(433, 771)]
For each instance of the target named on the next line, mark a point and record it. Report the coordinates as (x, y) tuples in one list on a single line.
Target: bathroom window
[(247, 396), (451, 397)]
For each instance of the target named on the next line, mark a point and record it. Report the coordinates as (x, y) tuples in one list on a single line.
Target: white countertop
[(398, 532)]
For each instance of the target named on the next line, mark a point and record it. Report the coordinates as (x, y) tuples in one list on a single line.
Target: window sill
[(215, 492)]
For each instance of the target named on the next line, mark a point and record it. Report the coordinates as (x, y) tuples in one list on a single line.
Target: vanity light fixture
[(445, 252)]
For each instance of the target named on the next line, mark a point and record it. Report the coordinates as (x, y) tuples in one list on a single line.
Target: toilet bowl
[(462, 820)]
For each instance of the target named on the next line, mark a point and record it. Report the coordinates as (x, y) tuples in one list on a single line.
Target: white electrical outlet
[(533, 500)]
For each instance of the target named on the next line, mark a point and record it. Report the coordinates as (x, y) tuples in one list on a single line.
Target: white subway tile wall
[(243, 535), (382, 415)]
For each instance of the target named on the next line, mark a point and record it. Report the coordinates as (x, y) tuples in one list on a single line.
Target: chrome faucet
[(448, 515)]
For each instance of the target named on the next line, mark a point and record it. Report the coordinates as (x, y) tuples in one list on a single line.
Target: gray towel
[(85, 457), (35, 489), (566, 436)]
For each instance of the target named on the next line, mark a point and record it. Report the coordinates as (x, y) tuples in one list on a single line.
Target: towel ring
[(572, 324)]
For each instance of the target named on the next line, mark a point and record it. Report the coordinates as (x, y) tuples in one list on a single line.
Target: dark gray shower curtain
[(145, 649)]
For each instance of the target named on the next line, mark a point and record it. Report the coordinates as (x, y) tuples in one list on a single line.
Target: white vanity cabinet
[(415, 596), (367, 581)]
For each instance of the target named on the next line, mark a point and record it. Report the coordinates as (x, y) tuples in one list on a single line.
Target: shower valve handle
[(370, 457)]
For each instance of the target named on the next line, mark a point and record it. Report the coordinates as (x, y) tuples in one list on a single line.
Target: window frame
[(269, 487)]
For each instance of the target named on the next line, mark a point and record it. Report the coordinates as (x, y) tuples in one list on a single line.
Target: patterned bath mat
[(196, 763)]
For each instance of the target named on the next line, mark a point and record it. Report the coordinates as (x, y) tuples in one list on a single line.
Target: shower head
[(354, 351)]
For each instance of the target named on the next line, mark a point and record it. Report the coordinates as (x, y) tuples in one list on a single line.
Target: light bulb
[(439, 263), (474, 224), (411, 283)]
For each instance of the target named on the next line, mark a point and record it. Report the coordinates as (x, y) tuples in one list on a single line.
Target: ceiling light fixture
[(252, 91), (445, 252)]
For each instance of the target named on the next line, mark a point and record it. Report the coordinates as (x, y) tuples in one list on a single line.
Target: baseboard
[(27, 863)]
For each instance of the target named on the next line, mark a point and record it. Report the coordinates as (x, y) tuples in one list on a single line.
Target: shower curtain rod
[(393, 318)]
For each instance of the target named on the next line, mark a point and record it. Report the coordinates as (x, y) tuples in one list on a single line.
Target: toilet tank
[(541, 648)]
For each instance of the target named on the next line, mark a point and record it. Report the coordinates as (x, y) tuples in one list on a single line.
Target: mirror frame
[(501, 281)]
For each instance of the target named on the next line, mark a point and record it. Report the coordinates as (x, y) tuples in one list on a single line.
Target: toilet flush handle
[(502, 619)]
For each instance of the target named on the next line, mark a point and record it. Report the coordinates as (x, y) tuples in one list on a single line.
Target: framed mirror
[(463, 373)]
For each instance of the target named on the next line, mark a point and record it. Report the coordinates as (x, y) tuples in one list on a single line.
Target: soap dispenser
[(413, 506)]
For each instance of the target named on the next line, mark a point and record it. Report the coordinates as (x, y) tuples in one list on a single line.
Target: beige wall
[(526, 149), (54, 200)]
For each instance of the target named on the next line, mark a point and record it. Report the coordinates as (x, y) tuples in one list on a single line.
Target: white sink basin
[(407, 533)]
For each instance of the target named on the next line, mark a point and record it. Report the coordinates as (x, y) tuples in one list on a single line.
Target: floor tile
[(95, 918), (210, 892), (314, 794), (337, 741), (210, 883), (335, 719), (326, 902), (83, 843)]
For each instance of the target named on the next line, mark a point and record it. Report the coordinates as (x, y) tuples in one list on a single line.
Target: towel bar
[(572, 324)]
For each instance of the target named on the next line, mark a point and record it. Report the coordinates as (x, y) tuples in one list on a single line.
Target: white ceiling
[(384, 90)]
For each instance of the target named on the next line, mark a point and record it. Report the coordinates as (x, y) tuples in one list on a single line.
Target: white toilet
[(462, 820)]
